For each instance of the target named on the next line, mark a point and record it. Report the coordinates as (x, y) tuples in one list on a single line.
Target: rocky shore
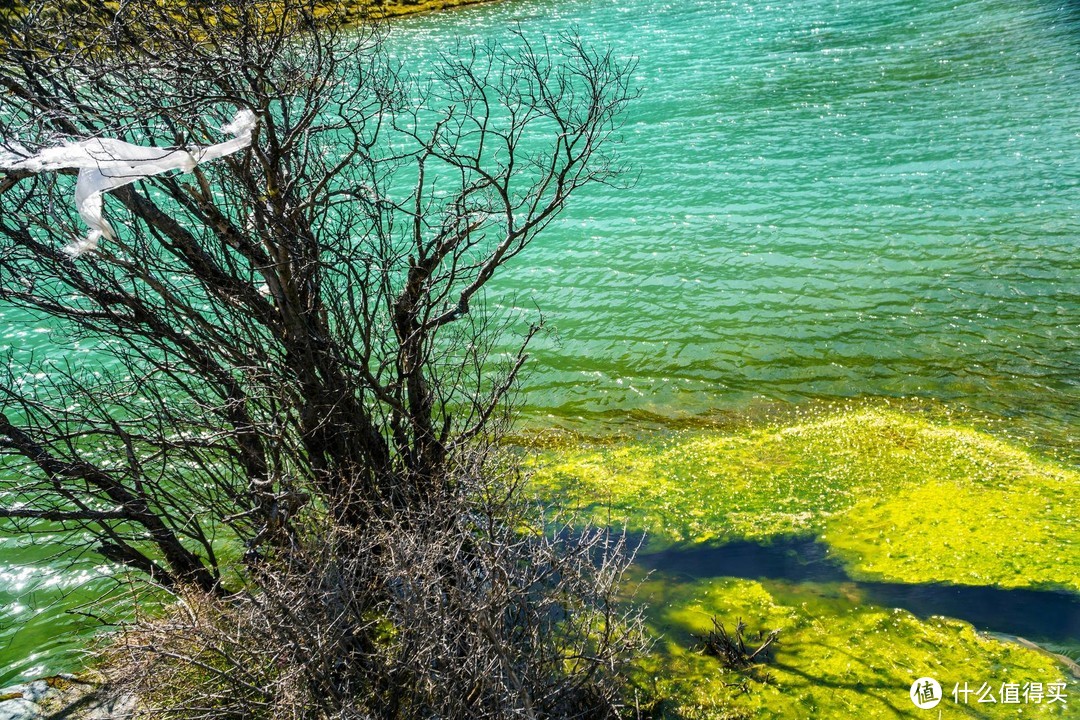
[(67, 697)]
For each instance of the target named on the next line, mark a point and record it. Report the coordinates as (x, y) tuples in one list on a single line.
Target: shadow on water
[(1034, 614)]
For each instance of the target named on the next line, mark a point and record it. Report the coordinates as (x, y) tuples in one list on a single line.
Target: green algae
[(897, 496), (837, 657)]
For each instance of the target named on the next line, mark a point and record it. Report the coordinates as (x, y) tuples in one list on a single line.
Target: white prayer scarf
[(105, 164)]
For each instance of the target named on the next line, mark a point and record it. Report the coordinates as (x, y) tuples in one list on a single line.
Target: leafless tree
[(291, 350)]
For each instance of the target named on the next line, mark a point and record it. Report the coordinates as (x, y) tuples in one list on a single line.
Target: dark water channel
[(1038, 615)]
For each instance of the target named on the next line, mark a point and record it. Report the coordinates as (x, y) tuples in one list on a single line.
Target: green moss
[(836, 658), (897, 496)]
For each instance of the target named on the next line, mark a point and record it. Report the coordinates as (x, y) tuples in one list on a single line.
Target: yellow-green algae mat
[(897, 498), (836, 659)]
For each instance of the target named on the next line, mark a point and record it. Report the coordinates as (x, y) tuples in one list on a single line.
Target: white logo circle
[(925, 693)]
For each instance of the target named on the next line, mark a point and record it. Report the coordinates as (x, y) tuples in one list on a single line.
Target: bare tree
[(292, 351)]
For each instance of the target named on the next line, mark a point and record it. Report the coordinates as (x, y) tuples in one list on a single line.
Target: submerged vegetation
[(897, 497), (838, 659), (894, 496)]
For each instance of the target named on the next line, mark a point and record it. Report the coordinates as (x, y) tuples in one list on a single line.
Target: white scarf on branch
[(105, 164)]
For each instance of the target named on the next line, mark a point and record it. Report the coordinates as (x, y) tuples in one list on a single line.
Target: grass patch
[(897, 496)]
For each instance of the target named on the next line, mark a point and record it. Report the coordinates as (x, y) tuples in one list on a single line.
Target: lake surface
[(833, 200)]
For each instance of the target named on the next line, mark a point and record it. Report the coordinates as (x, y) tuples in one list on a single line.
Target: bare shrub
[(738, 650), (478, 609)]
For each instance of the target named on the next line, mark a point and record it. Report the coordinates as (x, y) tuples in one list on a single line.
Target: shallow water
[(50, 605), (832, 199), (1050, 616)]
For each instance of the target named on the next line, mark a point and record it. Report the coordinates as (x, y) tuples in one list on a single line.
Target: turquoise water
[(832, 200)]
